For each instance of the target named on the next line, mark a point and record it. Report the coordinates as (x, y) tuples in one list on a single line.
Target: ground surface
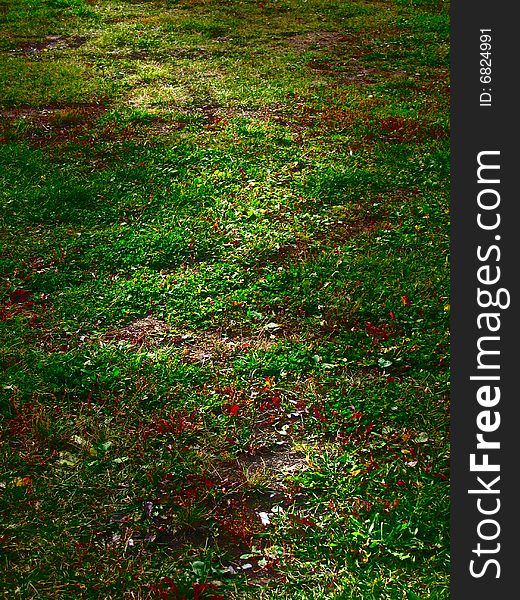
[(224, 300)]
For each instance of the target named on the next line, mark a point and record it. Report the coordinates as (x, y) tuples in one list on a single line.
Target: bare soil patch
[(148, 331), (197, 346), (51, 124), (312, 40), (336, 233), (52, 42), (273, 461), (207, 511)]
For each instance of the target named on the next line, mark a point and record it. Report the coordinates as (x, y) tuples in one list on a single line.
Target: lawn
[(224, 302)]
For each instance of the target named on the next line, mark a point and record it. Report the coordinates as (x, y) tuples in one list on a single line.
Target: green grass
[(224, 301)]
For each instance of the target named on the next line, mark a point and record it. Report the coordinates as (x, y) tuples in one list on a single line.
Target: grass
[(225, 299)]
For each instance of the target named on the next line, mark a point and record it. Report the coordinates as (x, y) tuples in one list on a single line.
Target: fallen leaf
[(264, 517), (22, 482)]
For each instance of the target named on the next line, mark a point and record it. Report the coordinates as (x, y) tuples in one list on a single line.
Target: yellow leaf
[(22, 482)]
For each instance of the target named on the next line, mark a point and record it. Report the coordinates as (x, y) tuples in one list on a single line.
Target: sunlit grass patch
[(26, 82)]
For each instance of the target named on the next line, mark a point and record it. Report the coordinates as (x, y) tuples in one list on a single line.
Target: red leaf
[(199, 589), (377, 331), (20, 296), (319, 415), (233, 411)]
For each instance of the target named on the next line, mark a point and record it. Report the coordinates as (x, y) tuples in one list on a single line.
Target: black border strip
[(485, 126)]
